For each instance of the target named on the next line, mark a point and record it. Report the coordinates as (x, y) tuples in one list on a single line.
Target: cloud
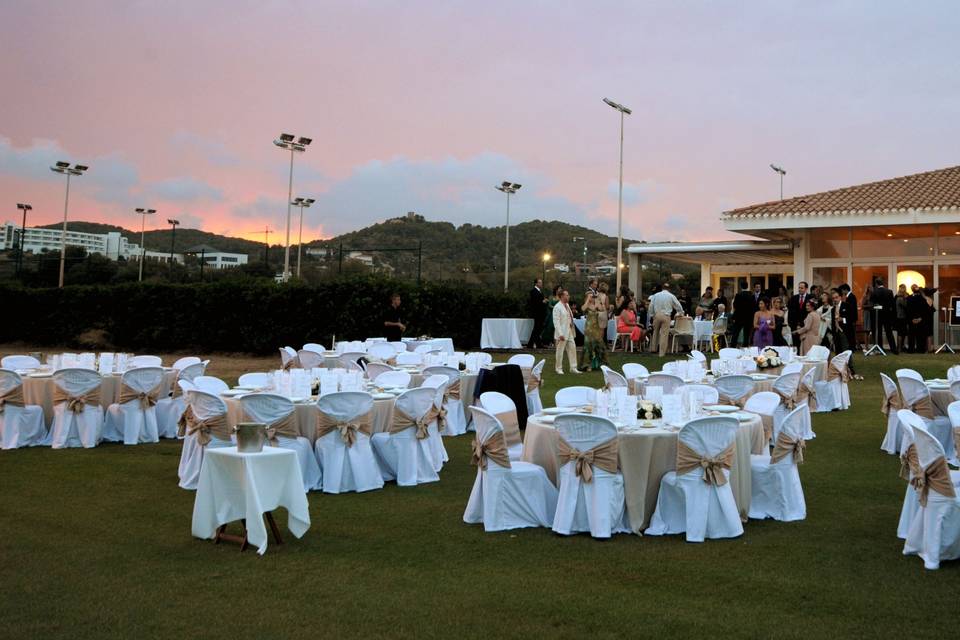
[(184, 189), (634, 194), (210, 150)]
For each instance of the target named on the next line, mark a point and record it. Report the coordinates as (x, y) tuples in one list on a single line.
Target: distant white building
[(562, 267), (363, 258), (215, 258), (37, 240)]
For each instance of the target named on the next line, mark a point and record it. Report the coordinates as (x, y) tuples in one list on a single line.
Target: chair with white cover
[(288, 358), (374, 369), (697, 499), (398, 347), (404, 453), (506, 494), (394, 379), (632, 371), (185, 362), (776, 491), (279, 414), (424, 348), (708, 393), (343, 446), (454, 421), (765, 405), (892, 402), (350, 357), (438, 382), (786, 386), (21, 425), (409, 358), (211, 384), (666, 381), (504, 409), (133, 420), (729, 353), (818, 352), (484, 359), (953, 413), (683, 328), (910, 423), (833, 394), (697, 356), (146, 361), (170, 409), (534, 403), (955, 389), (807, 392), (734, 389), (792, 367), (719, 332), (934, 532), (522, 360), (909, 373), (19, 363), (256, 380), (203, 425), (575, 396), (381, 351), (591, 485), (315, 347), (612, 379), (77, 413), (309, 359), (916, 397)]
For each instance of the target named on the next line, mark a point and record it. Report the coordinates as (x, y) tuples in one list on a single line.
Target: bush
[(247, 316)]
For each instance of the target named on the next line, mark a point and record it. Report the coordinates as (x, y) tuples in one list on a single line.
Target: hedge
[(253, 317)]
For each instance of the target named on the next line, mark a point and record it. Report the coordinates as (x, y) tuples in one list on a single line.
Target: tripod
[(946, 323), (876, 349)]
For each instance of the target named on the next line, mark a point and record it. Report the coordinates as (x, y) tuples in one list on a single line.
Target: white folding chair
[(682, 329), (916, 396), (534, 403), (211, 384), (315, 347), (382, 351), (409, 358), (818, 352), (708, 393), (374, 369), (185, 362), (78, 418), (729, 353), (345, 454), (666, 381), (953, 373), (892, 401), (170, 409), (255, 381), (786, 386), (310, 359), (21, 425), (393, 379), (833, 394), (735, 388), (455, 422), (506, 494), (288, 358), (591, 497), (503, 407), (19, 363), (776, 491), (204, 408), (399, 347), (909, 373), (522, 360), (146, 361), (792, 367), (271, 409), (697, 356), (575, 396), (765, 405), (133, 420), (692, 503), (611, 378), (401, 454), (437, 382)]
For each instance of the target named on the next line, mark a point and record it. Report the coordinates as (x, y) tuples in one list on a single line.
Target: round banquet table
[(639, 385), (39, 390), (468, 383), (646, 454)]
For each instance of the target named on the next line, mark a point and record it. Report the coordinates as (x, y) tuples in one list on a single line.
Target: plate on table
[(233, 393), (383, 396), (721, 408), (555, 411)]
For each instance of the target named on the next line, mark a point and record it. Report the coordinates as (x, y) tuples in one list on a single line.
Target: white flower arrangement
[(769, 358), (647, 410)]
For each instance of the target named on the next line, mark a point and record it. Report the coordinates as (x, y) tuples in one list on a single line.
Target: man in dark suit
[(743, 309), (883, 297), (536, 309), (845, 322), (797, 308), (916, 308)]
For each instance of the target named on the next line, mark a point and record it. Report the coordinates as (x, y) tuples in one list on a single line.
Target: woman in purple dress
[(763, 322)]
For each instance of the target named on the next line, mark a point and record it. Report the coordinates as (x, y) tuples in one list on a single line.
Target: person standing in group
[(901, 326), (929, 311), (623, 298), (536, 303), (847, 311), (564, 333), (778, 319), (706, 300), (685, 302), (883, 297), (662, 305), (763, 325), (594, 332), (915, 313), (797, 309), (743, 309), (546, 335), (809, 333), (757, 294), (784, 298), (393, 324), (826, 312)]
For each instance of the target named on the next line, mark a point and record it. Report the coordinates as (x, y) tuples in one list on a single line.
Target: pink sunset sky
[(425, 106)]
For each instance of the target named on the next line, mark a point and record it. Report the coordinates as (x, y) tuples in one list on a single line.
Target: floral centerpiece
[(768, 358), (647, 410)]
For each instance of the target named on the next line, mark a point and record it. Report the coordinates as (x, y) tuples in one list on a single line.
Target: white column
[(635, 274), (704, 277)]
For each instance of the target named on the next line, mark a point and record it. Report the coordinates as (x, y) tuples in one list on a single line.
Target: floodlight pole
[(286, 254), (507, 188), (623, 112), (23, 231)]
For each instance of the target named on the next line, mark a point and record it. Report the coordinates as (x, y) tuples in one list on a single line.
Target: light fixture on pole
[(577, 239), (23, 231), (302, 203), (286, 141), (173, 237), (67, 170), (143, 226), (623, 111), (782, 173), (508, 188), (546, 256)]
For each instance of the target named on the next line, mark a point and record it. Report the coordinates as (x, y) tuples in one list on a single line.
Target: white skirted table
[(444, 344), (581, 323), (646, 454), (505, 333), (245, 486)]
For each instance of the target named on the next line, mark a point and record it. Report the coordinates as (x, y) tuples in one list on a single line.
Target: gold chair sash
[(789, 401), (530, 381), (76, 404), (784, 446), (147, 398), (605, 456), (13, 397), (285, 426), (292, 363), (176, 391), (688, 460), (348, 428), (205, 429), (511, 427), (892, 402), (807, 394), (403, 421), (452, 391), (909, 463), (493, 448), (937, 477), (923, 406), (725, 399), (834, 372)]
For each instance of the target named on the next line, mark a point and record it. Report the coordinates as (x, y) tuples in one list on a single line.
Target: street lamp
[(782, 173), (173, 237), (302, 203), (623, 111), (508, 188), (546, 256), (577, 239), (143, 225), (23, 231), (286, 141), (67, 170)]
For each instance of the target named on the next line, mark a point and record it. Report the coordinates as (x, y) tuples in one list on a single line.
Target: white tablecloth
[(306, 414), (236, 486), (505, 333), (580, 323), (444, 344), (702, 330)]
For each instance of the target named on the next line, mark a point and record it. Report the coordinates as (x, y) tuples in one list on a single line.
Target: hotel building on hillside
[(903, 230), (37, 240)]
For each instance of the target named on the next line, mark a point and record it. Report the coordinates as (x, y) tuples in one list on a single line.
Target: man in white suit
[(564, 333)]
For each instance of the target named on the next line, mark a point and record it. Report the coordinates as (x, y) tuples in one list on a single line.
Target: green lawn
[(97, 544)]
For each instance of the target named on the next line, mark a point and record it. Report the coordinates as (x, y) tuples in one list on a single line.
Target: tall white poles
[(66, 169), (143, 227), (508, 188), (286, 141), (302, 203), (623, 111)]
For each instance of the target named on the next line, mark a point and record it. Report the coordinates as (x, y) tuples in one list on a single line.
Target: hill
[(159, 239)]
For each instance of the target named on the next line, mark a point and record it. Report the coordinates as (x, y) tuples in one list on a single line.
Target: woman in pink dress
[(627, 323)]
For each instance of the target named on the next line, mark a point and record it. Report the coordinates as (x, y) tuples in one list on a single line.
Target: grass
[(97, 544)]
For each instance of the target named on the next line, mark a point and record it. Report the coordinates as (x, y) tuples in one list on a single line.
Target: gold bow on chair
[(13, 397), (147, 398), (285, 426), (348, 428), (784, 446), (937, 477), (402, 421), (511, 427), (789, 401), (206, 429), (923, 406), (452, 392), (530, 381), (909, 463), (834, 372), (688, 460), (76, 404), (493, 448), (605, 456), (892, 402)]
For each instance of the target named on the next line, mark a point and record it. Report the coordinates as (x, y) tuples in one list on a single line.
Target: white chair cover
[(310, 359), (729, 353), (708, 393), (818, 352), (81, 429), (315, 347), (786, 386), (438, 383), (597, 506), (402, 456), (776, 491), (146, 361), (808, 384), (185, 362), (611, 378), (792, 367), (20, 426), (939, 427), (688, 504), (382, 351), (497, 403), (698, 356), (374, 369), (764, 404), (204, 406), (484, 359), (834, 395), (633, 370), (522, 360), (513, 497), (256, 380), (288, 357), (170, 409), (395, 379), (349, 358), (269, 408), (409, 358), (893, 436), (210, 384), (455, 423), (909, 373), (399, 347), (347, 468), (132, 422), (736, 387), (574, 396), (666, 381), (19, 362), (534, 403), (424, 348)]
